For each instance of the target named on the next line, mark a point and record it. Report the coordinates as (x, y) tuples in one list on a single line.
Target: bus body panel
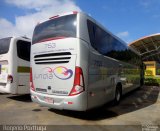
[(10, 87), (96, 86), (101, 81), (57, 77), (23, 74), (54, 87), (130, 79), (3, 70), (13, 63), (22, 69)]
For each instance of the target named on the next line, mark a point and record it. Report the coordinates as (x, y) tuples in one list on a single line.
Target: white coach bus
[(14, 65), (78, 65)]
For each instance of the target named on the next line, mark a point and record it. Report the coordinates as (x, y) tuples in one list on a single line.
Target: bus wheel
[(118, 95)]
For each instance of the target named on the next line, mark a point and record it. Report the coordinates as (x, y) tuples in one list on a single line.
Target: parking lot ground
[(139, 107)]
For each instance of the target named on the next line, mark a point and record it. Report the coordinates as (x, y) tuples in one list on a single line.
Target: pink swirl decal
[(60, 72)]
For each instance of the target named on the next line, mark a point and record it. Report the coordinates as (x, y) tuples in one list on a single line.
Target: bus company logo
[(61, 72)]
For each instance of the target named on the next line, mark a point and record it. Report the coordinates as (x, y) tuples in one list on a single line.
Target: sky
[(128, 19)]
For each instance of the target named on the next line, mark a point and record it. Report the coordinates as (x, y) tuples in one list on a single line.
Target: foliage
[(158, 71), (152, 81), (148, 72)]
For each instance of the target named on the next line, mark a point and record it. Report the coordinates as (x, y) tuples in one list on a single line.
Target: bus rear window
[(64, 26), (4, 45)]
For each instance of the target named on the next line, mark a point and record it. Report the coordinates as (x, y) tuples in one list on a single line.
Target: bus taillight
[(31, 81), (78, 85), (10, 79)]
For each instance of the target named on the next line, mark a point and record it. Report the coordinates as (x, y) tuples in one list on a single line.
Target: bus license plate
[(49, 100)]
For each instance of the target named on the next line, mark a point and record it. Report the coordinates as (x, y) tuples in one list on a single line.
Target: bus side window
[(23, 50), (92, 34)]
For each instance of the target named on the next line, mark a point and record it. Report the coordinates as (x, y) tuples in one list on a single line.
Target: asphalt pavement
[(136, 109)]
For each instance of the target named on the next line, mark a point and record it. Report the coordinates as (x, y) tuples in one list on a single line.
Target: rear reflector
[(31, 81), (78, 86), (69, 103)]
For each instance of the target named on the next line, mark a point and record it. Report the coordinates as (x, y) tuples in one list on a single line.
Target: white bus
[(78, 65), (14, 65)]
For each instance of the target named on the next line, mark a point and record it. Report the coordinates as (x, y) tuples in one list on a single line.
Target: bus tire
[(118, 95)]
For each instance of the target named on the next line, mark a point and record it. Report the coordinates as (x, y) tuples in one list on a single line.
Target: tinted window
[(102, 41), (109, 45), (4, 45), (91, 31), (59, 27), (23, 50)]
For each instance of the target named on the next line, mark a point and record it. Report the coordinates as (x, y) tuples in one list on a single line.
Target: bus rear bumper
[(75, 103), (4, 88), (10, 88)]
